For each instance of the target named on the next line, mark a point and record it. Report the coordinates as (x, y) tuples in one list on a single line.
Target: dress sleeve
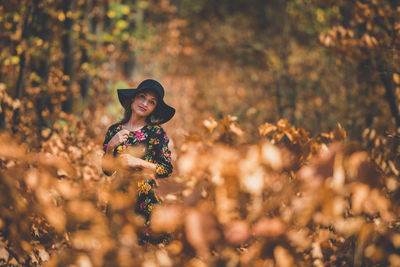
[(110, 133), (163, 156)]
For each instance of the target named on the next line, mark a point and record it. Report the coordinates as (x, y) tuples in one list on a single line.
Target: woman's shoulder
[(115, 126), (155, 129)]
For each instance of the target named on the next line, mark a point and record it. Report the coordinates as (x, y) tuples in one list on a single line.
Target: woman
[(145, 110)]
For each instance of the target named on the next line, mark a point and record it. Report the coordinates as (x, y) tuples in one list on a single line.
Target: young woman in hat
[(145, 110)]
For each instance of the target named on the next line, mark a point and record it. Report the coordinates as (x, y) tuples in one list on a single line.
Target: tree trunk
[(19, 87), (388, 83), (289, 84), (3, 124), (278, 94), (67, 47), (85, 81), (20, 81), (129, 57), (22, 59)]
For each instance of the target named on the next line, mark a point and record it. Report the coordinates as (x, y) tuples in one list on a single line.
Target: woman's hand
[(131, 161), (128, 160), (119, 138)]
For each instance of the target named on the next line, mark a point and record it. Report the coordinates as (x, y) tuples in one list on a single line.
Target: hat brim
[(163, 111)]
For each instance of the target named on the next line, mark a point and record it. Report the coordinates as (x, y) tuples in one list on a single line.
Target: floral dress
[(155, 141)]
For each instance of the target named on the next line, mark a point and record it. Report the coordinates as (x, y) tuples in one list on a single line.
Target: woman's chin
[(142, 114)]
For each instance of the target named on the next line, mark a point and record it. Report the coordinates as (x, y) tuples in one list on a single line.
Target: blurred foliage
[(287, 200), (304, 171)]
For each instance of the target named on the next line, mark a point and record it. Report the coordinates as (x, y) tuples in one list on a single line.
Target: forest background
[(261, 86)]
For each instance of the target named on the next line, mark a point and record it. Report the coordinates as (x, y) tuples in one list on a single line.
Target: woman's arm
[(134, 162), (163, 155), (112, 139), (160, 164)]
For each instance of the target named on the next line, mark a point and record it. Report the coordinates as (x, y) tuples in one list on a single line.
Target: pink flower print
[(140, 136), (167, 155), (146, 230), (158, 132), (165, 138)]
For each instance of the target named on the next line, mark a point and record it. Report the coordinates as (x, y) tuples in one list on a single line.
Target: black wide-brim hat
[(163, 111)]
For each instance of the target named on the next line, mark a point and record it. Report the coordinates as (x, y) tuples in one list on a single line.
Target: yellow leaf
[(8, 25), (16, 17), (320, 15), (35, 77), (125, 36), (39, 42), (116, 31), (125, 10), (396, 78), (143, 4), (85, 66), (76, 27), (15, 60), (111, 14), (61, 16), (122, 24), (19, 49)]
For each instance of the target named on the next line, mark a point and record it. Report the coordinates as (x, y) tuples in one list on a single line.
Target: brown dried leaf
[(167, 218), (395, 238), (349, 226), (339, 134), (4, 253), (266, 129), (316, 251), (175, 247), (210, 124), (394, 260), (359, 197), (56, 217), (10, 149), (237, 232), (299, 238), (268, 227), (201, 231), (82, 211), (283, 257), (271, 156)]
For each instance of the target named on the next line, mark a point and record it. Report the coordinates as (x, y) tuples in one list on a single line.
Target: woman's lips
[(142, 108)]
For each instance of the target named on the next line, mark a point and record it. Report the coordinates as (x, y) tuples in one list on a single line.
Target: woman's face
[(144, 103)]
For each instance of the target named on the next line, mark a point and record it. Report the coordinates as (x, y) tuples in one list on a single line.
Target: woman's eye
[(152, 102)]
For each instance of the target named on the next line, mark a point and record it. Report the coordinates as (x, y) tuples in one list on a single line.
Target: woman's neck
[(135, 123)]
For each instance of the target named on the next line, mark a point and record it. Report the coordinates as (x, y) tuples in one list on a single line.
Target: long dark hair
[(152, 119)]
